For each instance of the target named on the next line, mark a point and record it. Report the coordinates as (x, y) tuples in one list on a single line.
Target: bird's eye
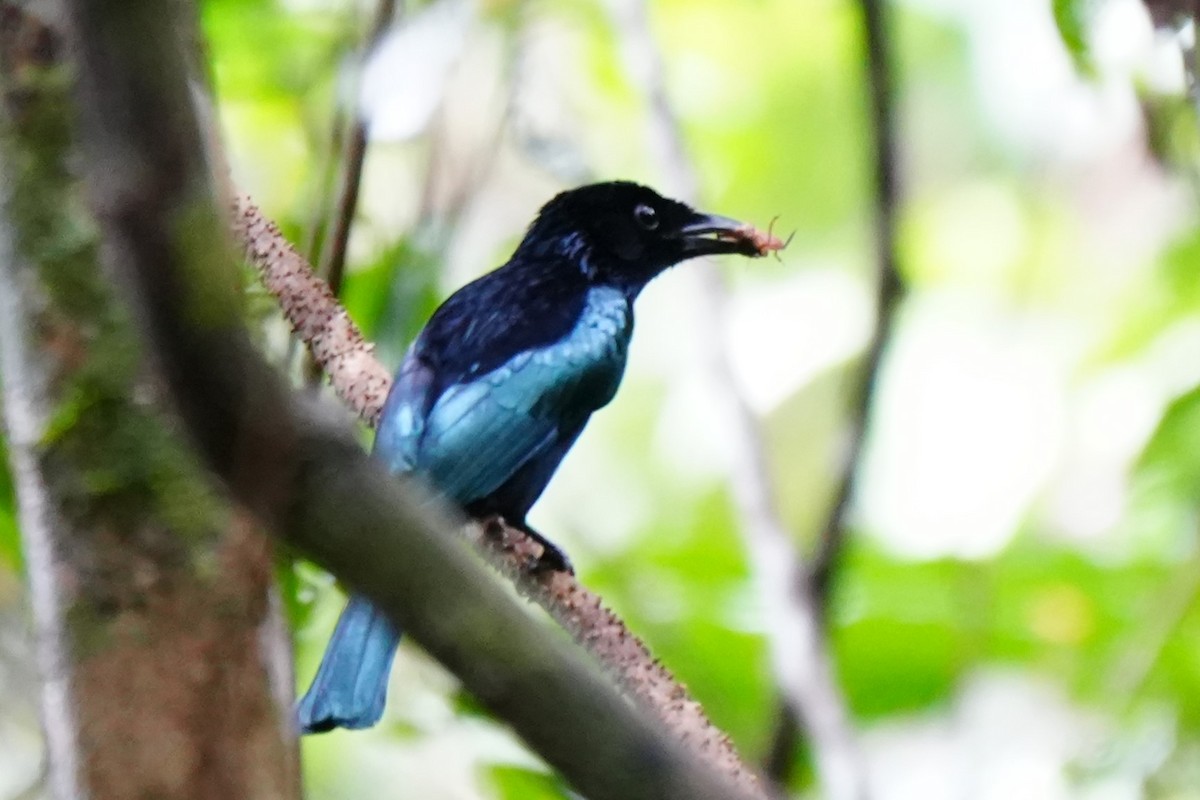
[(646, 217)]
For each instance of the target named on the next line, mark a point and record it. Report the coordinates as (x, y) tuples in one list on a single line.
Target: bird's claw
[(552, 559), (539, 556)]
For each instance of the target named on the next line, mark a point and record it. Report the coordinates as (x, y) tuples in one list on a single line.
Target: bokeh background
[(1017, 611)]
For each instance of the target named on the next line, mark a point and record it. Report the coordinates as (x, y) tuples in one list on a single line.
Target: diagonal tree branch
[(889, 295), (332, 262), (889, 287), (799, 654), (301, 474), (336, 344), (362, 383)]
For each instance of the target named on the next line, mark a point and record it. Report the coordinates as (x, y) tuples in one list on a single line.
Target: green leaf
[(10, 534), (1072, 18), (513, 783), (1172, 457)]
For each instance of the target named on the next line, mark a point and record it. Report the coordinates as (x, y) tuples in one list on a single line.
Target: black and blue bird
[(502, 380)]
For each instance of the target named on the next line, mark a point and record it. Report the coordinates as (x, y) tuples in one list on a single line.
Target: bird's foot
[(550, 559)]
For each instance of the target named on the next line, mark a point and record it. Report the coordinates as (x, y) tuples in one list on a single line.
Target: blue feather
[(350, 688), (502, 380), (491, 445)]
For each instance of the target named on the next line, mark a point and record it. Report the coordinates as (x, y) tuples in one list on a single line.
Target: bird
[(503, 378)]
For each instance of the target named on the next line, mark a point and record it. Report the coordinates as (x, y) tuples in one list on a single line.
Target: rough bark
[(340, 350), (149, 592), (301, 474)]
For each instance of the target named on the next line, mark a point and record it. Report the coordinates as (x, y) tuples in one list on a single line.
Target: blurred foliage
[(394, 294), (523, 784), (1071, 18), (1171, 460), (1022, 585), (10, 544)]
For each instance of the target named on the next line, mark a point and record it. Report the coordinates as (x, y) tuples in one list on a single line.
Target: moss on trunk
[(158, 587)]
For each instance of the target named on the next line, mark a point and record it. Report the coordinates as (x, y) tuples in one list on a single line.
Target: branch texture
[(303, 476), (333, 252), (889, 294), (332, 260), (318, 319), (335, 342), (800, 657), (889, 289), (148, 591)]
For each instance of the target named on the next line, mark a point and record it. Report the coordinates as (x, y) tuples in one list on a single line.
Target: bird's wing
[(477, 433), (469, 435), (480, 433), (402, 422), (523, 306)]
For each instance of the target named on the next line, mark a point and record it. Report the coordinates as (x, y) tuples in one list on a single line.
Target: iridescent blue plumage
[(501, 382)]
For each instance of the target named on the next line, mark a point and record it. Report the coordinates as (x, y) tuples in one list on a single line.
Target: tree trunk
[(150, 592)]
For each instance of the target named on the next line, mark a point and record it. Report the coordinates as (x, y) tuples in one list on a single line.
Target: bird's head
[(625, 234)]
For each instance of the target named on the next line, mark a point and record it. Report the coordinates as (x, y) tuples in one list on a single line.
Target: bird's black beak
[(709, 234)]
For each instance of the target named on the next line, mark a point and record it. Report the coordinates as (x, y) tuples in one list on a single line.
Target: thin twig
[(1171, 605), (889, 288), (889, 292), (362, 383), (333, 251), (335, 342), (799, 653), (333, 254), (1191, 60), (332, 263), (443, 215)]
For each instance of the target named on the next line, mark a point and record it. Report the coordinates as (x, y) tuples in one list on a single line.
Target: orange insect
[(766, 241)]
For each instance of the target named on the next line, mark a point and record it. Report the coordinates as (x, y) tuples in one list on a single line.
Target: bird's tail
[(350, 688)]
